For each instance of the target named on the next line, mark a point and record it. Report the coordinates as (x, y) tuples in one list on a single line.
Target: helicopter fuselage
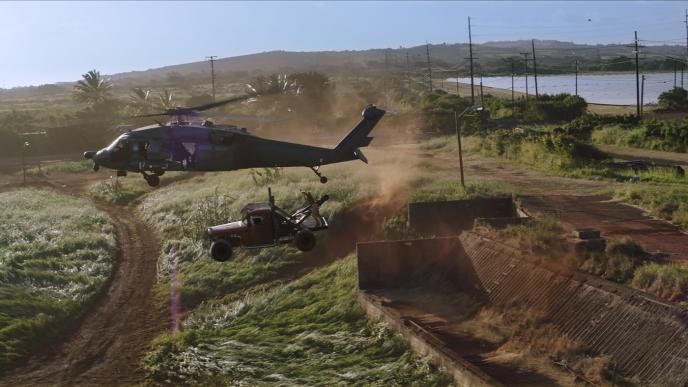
[(182, 146)]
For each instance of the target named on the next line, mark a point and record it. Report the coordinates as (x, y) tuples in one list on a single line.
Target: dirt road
[(109, 342), (615, 219), (580, 203)]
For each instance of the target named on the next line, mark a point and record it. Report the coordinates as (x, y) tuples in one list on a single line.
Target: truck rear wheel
[(305, 240), (220, 250)]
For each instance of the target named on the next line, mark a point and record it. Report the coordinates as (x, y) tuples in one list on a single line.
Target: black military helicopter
[(188, 142)]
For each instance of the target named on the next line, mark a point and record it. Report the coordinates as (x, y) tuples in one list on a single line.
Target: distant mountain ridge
[(448, 59), (443, 54)]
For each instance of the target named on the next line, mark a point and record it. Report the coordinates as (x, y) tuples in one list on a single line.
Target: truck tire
[(220, 250), (305, 240)]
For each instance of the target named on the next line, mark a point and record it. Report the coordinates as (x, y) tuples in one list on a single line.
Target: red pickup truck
[(265, 225)]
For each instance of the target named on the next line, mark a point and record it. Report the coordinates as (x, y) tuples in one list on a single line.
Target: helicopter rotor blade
[(152, 115), (199, 108), (223, 102)]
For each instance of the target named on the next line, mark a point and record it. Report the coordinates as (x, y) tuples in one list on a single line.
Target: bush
[(665, 281), (550, 150), (437, 111), (675, 99), (548, 108), (670, 203)]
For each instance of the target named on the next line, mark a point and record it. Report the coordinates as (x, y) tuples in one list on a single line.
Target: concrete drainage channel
[(416, 286)]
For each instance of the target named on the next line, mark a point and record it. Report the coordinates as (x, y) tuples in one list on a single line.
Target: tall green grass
[(436, 190), (308, 332), (567, 156), (665, 281), (183, 211), (81, 166), (668, 202), (56, 253)]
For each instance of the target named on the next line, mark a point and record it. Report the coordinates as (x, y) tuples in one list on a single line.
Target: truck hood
[(226, 229)]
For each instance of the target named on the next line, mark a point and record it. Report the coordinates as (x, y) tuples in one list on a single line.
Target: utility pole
[(427, 51), (637, 77), (532, 42), (211, 58), (482, 101), (642, 95), (686, 21), (457, 84), (513, 104), (674, 74), (683, 66), (525, 60), (470, 56), (576, 77)]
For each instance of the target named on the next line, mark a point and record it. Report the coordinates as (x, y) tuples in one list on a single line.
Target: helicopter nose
[(101, 156)]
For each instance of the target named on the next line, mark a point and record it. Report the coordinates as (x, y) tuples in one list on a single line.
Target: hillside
[(448, 59)]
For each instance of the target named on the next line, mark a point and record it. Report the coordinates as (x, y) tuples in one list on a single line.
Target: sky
[(47, 42)]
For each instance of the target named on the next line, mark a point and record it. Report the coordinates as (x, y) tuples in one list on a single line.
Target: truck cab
[(265, 224)]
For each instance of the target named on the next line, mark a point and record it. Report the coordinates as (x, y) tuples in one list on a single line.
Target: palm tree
[(93, 89), (166, 100), (140, 101)]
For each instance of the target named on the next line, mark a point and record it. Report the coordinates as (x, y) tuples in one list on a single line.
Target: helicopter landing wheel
[(316, 170), (152, 180)]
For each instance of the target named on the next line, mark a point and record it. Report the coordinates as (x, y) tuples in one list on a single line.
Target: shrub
[(665, 281), (437, 111), (548, 108), (675, 99)]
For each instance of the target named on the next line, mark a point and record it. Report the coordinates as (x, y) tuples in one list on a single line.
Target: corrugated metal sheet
[(647, 338)]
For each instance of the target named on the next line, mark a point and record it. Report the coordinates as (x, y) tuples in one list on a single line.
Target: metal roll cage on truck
[(265, 225)]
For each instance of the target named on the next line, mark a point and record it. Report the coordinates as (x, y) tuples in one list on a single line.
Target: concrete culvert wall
[(646, 338), (451, 217)]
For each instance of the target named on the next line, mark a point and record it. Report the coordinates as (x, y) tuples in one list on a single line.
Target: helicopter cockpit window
[(154, 146), (120, 143)]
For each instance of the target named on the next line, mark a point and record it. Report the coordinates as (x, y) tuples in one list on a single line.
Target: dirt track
[(615, 219), (109, 342)]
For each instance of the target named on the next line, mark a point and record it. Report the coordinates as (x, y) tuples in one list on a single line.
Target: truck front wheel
[(305, 240), (220, 250)]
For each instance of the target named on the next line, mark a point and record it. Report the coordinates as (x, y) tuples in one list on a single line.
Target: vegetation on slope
[(668, 202), (56, 253), (669, 136), (308, 332), (182, 212)]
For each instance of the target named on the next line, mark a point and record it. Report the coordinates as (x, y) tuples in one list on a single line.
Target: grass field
[(183, 211), (56, 253), (308, 332)]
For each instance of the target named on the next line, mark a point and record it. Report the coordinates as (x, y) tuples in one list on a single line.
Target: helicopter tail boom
[(358, 137)]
